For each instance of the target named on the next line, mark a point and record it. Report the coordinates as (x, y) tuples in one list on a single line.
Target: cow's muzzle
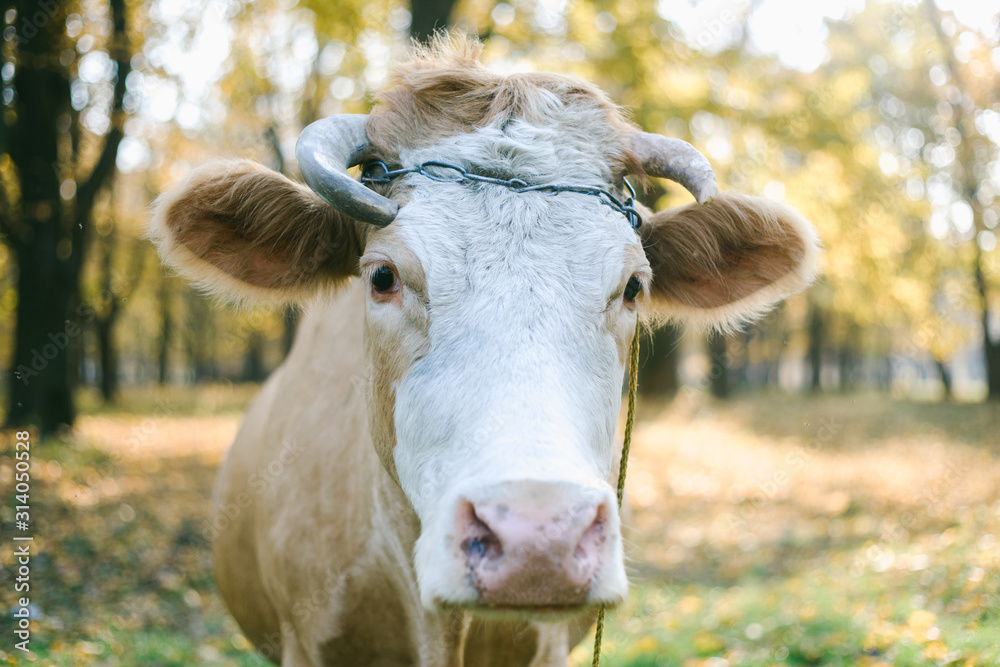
[(537, 547)]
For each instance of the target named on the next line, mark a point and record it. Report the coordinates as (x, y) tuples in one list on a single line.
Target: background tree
[(888, 146), (428, 16), (59, 135), (118, 265), (969, 103)]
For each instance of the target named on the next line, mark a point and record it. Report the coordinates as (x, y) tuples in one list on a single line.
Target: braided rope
[(633, 377)]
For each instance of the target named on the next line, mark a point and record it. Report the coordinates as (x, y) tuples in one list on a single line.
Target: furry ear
[(249, 234), (728, 262)]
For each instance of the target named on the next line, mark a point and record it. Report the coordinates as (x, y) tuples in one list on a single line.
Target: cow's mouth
[(546, 613)]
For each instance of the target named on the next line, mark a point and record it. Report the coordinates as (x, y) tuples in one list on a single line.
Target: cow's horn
[(677, 160), (325, 150)]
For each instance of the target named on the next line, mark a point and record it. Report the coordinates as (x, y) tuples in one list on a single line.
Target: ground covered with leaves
[(765, 531)]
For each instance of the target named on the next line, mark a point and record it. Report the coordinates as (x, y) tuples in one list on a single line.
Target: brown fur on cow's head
[(444, 90)]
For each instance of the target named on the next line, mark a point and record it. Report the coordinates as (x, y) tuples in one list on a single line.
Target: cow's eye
[(384, 280), (632, 289)]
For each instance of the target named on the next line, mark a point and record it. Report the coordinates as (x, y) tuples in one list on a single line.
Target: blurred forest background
[(880, 121), (822, 489)]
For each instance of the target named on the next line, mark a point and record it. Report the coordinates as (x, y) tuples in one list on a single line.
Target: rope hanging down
[(633, 377)]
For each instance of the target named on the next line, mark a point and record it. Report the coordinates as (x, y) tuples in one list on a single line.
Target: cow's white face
[(499, 349)]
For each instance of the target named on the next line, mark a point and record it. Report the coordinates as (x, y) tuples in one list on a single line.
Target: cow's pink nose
[(526, 553)]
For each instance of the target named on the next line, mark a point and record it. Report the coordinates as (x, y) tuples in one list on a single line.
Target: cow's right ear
[(728, 262), (248, 234)]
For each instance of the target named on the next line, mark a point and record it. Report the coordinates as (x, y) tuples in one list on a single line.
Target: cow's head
[(498, 322)]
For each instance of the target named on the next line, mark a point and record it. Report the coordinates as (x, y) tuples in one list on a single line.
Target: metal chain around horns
[(446, 172)]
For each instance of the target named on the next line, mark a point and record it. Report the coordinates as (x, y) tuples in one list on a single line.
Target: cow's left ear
[(726, 263), (250, 235)]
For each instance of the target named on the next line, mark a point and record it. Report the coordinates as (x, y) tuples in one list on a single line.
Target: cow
[(426, 479)]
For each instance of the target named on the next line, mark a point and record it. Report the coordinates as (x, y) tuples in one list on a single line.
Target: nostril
[(594, 536), (474, 546), (478, 548), (478, 540)]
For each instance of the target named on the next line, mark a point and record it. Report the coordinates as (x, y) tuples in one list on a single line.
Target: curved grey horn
[(324, 151), (677, 160)]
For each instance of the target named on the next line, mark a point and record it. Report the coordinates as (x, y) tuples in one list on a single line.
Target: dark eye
[(383, 280), (632, 289)]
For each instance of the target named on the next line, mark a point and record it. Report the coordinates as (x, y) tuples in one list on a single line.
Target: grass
[(828, 531), (773, 530)]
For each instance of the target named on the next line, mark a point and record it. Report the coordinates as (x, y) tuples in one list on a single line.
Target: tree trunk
[(991, 348), (108, 309), (776, 338), (290, 318), (883, 367), (968, 157), (846, 359), (428, 16), (815, 352), (718, 371), (200, 340), (253, 360), (166, 332), (47, 244), (739, 376), (75, 351), (208, 368), (945, 375), (40, 391), (845, 362), (658, 368), (772, 373), (104, 328), (992, 354)]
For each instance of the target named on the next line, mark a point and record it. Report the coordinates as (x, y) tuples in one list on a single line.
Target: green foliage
[(120, 572), (760, 540), (851, 144)]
